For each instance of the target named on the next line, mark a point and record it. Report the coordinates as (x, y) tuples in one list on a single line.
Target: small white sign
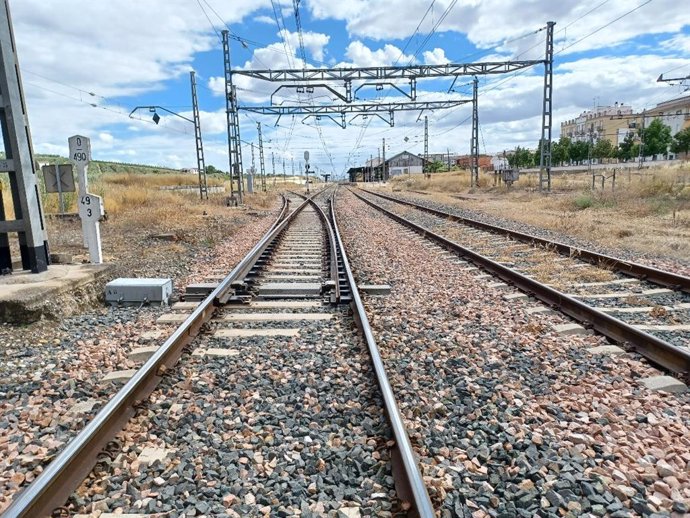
[(79, 149), (91, 211), (91, 207)]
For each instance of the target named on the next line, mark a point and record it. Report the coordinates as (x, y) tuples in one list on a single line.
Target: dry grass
[(649, 211)]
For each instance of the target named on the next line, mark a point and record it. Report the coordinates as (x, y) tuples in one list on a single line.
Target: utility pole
[(233, 122), (18, 163), (426, 143), (448, 151), (640, 157), (371, 167), (284, 179), (385, 172), (273, 166), (292, 160), (200, 162), (474, 144), (378, 164), (546, 114), (262, 165)]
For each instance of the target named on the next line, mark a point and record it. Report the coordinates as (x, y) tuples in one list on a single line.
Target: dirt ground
[(648, 212)]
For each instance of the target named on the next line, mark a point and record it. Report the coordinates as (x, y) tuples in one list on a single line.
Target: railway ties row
[(566, 283), (510, 417), (275, 408)]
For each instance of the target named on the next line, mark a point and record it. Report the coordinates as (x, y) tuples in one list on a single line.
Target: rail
[(664, 278), (673, 358), (408, 478), (64, 474)]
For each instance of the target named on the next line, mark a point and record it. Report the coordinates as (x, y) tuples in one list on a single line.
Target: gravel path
[(48, 367), (664, 263), (511, 419)]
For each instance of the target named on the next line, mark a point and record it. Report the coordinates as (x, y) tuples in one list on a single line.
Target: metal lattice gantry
[(233, 121), (200, 161), (474, 141), (306, 79), (546, 115), (18, 163), (365, 109)]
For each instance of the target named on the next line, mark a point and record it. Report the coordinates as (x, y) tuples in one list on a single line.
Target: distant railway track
[(297, 274), (648, 344)]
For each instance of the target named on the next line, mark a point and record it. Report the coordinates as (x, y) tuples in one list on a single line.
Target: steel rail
[(333, 250), (64, 474), (409, 482), (640, 271), (672, 358)]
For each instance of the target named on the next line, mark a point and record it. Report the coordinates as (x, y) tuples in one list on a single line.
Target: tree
[(627, 149), (521, 157), (681, 141), (579, 151), (560, 151), (603, 149), (656, 138), (212, 170), (435, 166)]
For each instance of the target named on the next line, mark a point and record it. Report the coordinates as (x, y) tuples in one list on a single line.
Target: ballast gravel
[(664, 263), (48, 367), (509, 418)]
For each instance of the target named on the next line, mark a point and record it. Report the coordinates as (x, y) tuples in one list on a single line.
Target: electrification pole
[(385, 172), (18, 163), (426, 143), (233, 122), (273, 167), (546, 114), (262, 165), (200, 162), (284, 172), (474, 145)]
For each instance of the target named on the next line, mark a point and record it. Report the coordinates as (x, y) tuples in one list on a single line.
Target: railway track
[(627, 302), (511, 418), (262, 400)]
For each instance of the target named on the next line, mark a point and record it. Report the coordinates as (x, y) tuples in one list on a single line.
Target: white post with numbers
[(91, 212), (80, 156)]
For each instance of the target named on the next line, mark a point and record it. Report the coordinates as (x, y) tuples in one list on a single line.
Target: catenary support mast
[(18, 163)]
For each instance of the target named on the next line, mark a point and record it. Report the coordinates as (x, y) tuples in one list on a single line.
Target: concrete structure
[(499, 163), (60, 291), (600, 124)]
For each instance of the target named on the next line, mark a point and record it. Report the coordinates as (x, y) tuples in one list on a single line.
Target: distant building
[(499, 163), (605, 122), (674, 113), (404, 163), (465, 161), (190, 170)]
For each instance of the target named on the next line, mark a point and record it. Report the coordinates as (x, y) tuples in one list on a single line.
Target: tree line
[(655, 139)]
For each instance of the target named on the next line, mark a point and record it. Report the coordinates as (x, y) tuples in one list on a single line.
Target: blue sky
[(118, 54)]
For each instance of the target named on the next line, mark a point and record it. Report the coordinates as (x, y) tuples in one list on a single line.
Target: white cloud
[(435, 57), (362, 56)]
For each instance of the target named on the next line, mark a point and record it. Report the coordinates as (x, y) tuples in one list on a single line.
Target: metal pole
[(546, 114), (284, 179), (273, 165), (233, 122), (426, 143), (474, 144), (18, 162), (58, 181), (200, 162), (448, 151), (262, 164), (385, 168)]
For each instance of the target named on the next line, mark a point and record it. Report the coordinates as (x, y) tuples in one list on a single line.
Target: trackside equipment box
[(139, 290)]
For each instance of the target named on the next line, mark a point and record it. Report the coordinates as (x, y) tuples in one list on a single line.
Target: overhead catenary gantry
[(327, 110), (306, 79)]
